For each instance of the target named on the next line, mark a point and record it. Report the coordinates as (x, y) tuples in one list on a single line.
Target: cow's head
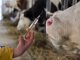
[(54, 28), (8, 7), (23, 23)]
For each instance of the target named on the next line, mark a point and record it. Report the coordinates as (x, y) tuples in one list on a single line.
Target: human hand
[(24, 44)]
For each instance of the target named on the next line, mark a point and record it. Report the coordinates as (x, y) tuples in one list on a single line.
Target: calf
[(63, 29)]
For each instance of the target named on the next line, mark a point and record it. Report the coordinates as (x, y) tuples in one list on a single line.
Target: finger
[(28, 35), (21, 40), (29, 41), (32, 36)]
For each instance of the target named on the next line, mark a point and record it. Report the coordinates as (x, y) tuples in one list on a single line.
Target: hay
[(41, 49)]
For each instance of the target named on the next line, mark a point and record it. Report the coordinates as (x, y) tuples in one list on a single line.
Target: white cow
[(63, 29)]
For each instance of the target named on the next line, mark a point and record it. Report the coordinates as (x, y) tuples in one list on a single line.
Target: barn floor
[(5, 37), (40, 50)]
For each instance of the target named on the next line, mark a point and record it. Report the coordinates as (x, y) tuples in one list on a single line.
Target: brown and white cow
[(13, 8)]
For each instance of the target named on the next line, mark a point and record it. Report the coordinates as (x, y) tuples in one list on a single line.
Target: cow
[(11, 5), (12, 8), (38, 8), (63, 29)]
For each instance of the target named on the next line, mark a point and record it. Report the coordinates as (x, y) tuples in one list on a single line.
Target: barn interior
[(41, 48)]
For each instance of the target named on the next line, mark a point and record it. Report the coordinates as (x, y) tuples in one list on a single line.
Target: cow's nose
[(49, 22)]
